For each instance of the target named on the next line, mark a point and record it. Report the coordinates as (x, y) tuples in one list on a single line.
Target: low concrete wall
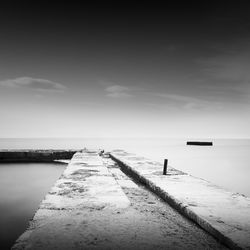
[(223, 214), (35, 155)]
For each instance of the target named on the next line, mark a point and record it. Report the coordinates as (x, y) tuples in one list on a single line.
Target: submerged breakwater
[(35, 155)]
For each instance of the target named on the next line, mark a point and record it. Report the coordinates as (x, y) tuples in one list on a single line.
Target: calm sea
[(22, 188), (226, 163)]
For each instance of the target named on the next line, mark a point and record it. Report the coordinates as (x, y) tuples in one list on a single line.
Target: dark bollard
[(165, 166)]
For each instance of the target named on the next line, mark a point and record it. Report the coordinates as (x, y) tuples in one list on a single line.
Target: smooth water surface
[(22, 187)]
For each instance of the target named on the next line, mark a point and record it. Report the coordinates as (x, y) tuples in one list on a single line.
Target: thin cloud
[(34, 84), (118, 91), (179, 98), (189, 102)]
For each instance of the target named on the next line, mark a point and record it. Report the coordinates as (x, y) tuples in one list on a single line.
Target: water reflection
[(22, 187)]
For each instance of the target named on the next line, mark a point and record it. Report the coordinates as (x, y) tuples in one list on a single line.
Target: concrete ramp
[(224, 214), (85, 192)]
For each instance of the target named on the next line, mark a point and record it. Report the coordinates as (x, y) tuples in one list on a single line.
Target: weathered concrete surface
[(96, 206), (85, 186), (35, 155), (160, 224), (224, 214)]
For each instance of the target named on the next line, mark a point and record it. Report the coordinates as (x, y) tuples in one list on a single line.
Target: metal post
[(165, 166)]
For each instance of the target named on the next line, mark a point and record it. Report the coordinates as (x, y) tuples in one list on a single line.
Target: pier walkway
[(94, 205), (224, 214)]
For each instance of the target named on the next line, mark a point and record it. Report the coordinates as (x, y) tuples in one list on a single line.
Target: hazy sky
[(174, 70)]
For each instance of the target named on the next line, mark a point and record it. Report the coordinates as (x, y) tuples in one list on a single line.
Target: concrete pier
[(223, 214), (85, 185), (94, 205)]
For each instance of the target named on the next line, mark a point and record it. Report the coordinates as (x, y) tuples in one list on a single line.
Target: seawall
[(223, 214), (35, 155)]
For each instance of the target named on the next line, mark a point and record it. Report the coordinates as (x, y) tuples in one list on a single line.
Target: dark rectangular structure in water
[(200, 143)]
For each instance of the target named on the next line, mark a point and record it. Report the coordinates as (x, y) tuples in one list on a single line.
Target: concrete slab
[(224, 214), (85, 186), (122, 179)]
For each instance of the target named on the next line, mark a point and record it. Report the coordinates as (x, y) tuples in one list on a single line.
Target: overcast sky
[(84, 71)]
